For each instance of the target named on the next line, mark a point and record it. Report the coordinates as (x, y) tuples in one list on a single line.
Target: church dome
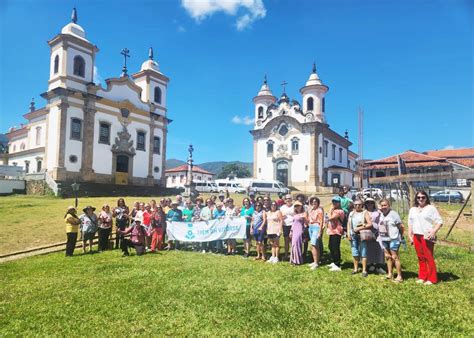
[(313, 78), (265, 90), (150, 65), (75, 30)]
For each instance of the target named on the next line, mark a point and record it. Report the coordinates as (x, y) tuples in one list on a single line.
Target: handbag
[(367, 235)]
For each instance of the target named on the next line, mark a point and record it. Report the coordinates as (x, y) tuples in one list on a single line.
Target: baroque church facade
[(89, 133), (293, 143)]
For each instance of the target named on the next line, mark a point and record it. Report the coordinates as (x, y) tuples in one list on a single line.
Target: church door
[(282, 172), (121, 175)]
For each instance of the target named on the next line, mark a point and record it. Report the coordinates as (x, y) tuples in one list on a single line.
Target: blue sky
[(408, 64)]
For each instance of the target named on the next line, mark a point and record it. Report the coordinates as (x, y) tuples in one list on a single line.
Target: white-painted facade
[(293, 142), (177, 177), (86, 132)]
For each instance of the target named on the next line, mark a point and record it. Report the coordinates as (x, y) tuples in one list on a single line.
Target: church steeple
[(313, 95)]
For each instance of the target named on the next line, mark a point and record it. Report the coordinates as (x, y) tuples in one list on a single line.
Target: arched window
[(56, 64), (270, 148), (260, 112), (22, 146), (79, 66), (323, 105), (295, 146), (157, 97), (310, 104)]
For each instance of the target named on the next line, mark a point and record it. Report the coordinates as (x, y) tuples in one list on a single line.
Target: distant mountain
[(213, 167)]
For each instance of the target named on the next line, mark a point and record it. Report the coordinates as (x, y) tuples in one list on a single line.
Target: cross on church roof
[(150, 53), (265, 79), (126, 54), (284, 83)]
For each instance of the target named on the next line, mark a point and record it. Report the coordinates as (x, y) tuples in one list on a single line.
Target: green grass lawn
[(187, 293)]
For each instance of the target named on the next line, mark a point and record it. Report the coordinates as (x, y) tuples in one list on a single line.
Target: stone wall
[(38, 188)]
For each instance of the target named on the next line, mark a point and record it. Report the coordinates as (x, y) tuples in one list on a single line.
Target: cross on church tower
[(126, 54), (284, 83)]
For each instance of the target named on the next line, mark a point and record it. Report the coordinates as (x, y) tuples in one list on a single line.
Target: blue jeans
[(358, 247)]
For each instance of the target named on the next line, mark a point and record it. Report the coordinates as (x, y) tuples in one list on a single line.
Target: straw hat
[(88, 207)]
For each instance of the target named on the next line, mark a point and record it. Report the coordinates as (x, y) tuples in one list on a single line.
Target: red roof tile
[(452, 153), (408, 156), (468, 162), (184, 167), (409, 165)]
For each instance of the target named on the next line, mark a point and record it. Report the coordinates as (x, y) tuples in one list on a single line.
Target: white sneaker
[(381, 271), (420, 281), (335, 268), (314, 267), (330, 266), (270, 260), (203, 251), (427, 283)]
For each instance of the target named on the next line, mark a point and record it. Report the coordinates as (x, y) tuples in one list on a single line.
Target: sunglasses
[(358, 205), (420, 197)]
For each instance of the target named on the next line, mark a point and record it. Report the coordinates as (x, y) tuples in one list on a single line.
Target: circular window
[(73, 158), (283, 130), (156, 169)]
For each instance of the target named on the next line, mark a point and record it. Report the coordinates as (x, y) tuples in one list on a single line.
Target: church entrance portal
[(282, 172), (121, 174)]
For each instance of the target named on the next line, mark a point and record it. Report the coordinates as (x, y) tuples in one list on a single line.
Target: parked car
[(447, 196), (375, 193), (268, 187), (395, 195), (206, 186), (232, 187)]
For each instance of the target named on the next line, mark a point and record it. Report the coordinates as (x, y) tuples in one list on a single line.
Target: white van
[(231, 186), (270, 187), (205, 186)]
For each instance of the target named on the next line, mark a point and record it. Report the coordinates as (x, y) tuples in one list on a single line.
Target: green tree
[(236, 169)]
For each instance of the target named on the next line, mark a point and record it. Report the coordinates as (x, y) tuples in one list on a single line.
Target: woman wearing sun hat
[(88, 227), (72, 228)]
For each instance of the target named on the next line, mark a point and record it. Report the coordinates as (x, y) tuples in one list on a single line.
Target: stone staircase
[(88, 189)]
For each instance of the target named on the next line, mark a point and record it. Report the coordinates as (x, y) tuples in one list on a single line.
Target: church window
[(27, 166), (283, 130), (323, 105), (294, 145), (22, 146), (310, 104), (156, 145), (260, 112), (56, 64), (79, 66), (38, 136), (140, 140), (76, 129), (333, 152), (157, 96), (156, 169), (340, 155), (73, 158), (326, 146), (270, 148), (104, 133), (39, 165)]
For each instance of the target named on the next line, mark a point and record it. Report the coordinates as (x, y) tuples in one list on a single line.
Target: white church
[(89, 133), (293, 143)]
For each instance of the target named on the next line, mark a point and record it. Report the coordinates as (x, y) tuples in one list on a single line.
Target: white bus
[(231, 186)]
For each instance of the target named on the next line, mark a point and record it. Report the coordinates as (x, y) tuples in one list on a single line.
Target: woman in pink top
[(137, 238), (316, 226), (105, 227), (335, 231), (274, 230)]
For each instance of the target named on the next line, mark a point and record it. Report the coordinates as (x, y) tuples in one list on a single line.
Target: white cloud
[(246, 120), (181, 29), (247, 11), (449, 147), (97, 78)]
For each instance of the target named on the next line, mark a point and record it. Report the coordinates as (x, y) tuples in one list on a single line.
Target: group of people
[(375, 233)]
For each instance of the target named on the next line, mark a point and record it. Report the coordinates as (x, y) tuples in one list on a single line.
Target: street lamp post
[(189, 178), (75, 187)]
